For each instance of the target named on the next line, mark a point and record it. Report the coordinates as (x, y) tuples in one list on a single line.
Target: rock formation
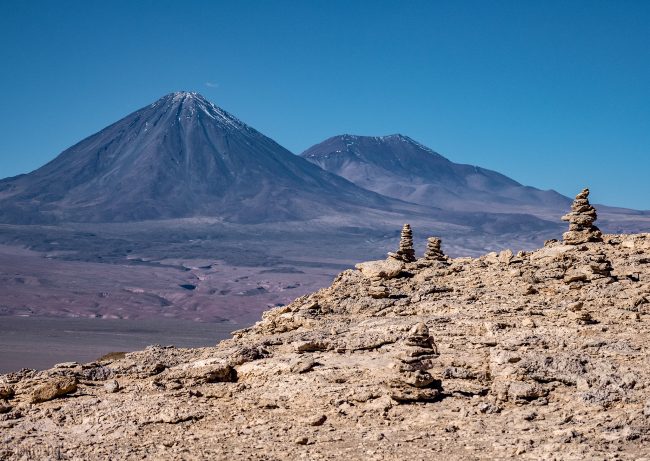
[(405, 252), (581, 221), (379, 271), (538, 355), (433, 251)]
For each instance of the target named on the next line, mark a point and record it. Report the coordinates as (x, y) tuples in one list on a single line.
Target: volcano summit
[(179, 157), (399, 167)]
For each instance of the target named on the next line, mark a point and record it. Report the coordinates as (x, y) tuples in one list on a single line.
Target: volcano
[(179, 157), (399, 167)]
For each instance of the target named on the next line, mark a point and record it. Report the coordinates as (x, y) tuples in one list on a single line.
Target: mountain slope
[(179, 157), (400, 167)]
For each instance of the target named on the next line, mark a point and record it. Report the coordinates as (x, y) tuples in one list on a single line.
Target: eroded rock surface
[(539, 355)]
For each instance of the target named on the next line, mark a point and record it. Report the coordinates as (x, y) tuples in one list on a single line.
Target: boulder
[(54, 388), (383, 269)]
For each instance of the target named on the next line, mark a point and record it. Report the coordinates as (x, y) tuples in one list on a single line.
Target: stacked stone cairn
[(406, 252), (433, 251), (414, 357), (377, 289), (581, 222)]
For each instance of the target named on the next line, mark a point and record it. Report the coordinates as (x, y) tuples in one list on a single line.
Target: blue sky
[(555, 94)]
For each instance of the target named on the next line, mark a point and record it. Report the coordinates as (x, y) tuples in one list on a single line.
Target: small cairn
[(406, 252), (581, 222), (413, 359), (433, 251), (378, 290)]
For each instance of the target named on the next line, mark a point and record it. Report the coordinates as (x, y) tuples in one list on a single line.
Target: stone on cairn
[(433, 251), (413, 359), (581, 222), (378, 290), (406, 252)]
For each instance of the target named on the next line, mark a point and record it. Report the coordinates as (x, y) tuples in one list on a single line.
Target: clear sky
[(555, 94)]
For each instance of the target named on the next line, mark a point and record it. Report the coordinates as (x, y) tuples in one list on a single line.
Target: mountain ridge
[(180, 156), (183, 157), (400, 167)]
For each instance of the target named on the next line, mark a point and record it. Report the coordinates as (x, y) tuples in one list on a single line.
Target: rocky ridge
[(536, 355)]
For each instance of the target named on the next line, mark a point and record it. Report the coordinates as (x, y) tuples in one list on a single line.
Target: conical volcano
[(179, 157)]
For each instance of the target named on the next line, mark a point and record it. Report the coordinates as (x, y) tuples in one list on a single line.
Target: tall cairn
[(581, 222), (433, 251), (414, 357), (406, 252)]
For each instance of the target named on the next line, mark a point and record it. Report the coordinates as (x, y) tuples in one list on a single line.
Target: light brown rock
[(382, 269), (545, 356), (434, 251), (413, 360), (405, 251), (112, 386), (581, 221), (54, 388)]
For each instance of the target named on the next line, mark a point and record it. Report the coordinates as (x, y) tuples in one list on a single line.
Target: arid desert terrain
[(533, 355)]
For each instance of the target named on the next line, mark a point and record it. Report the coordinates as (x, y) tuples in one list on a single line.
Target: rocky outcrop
[(377, 272), (538, 355), (581, 221), (405, 252), (381, 269)]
